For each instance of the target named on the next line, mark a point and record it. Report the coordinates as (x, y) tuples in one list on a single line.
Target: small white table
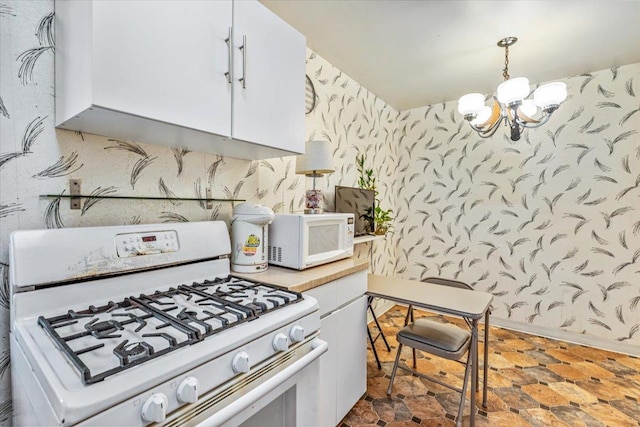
[(468, 304)]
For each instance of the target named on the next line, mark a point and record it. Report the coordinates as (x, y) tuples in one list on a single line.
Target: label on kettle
[(251, 245)]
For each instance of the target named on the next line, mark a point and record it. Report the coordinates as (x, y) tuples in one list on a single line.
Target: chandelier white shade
[(511, 104), (550, 94), (483, 115), (513, 90), (471, 103)]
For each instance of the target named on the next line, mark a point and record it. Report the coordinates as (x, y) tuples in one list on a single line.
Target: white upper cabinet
[(164, 61), (169, 72), (267, 84)]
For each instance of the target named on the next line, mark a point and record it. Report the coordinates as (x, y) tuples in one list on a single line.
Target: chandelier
[(510, 105)]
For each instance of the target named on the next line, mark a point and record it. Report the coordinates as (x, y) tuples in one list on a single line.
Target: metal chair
[(444, 282), (442, 340)]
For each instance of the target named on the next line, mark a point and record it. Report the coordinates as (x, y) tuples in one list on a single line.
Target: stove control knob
[(297, 333), (188, 390), (155, 408), (281, 342), (240, 363)]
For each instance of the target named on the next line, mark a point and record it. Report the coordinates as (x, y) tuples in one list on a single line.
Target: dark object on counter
[(359, 202)]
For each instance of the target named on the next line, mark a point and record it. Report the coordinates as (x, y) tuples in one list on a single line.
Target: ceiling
[(416, 53)]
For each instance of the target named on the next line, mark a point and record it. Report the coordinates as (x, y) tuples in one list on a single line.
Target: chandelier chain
[(505, 71)]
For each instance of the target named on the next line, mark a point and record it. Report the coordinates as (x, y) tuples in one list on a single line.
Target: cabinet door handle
[(243, 48), (229, 42)]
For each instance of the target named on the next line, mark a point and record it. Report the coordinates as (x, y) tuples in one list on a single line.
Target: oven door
[(280, 392)]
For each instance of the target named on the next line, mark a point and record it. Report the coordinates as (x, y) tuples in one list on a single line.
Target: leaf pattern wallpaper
[(550, 225), (356, 122)]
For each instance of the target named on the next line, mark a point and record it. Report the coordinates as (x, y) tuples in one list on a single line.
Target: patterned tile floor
[(533, 381)]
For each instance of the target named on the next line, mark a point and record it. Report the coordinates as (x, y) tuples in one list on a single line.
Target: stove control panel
[(151, 243)]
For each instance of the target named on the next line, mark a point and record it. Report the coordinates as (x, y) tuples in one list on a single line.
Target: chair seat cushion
[(443, 340)]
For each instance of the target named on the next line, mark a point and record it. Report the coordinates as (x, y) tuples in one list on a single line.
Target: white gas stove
[(138, 324)]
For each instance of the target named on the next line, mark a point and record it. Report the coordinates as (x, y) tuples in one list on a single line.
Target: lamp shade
[(528, 108), (470, 103), (317, 159), (482, 117), (513, 90), (550, 94)]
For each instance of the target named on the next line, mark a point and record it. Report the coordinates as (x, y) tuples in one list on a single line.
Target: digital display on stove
[(149, 238)]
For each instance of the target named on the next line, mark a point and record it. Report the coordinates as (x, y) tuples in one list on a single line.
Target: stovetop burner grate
[(104, 340)]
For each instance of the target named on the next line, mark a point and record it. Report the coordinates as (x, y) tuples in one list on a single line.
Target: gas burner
[(172, 341), (187, 314), (129, 353), (134, 318), (255, 305), (192, 316), (105, 329)]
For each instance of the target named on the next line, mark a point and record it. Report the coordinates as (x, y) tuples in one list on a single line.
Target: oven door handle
[(318, 346)]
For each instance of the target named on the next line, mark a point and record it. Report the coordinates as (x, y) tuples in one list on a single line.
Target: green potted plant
[(366, 180), (379, 219), (382, 220)]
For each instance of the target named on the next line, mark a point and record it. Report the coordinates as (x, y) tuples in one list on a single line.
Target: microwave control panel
[(149, 243)]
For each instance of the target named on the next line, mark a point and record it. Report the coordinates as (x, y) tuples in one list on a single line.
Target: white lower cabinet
[(327, 384), (343, 369), (351, 355)]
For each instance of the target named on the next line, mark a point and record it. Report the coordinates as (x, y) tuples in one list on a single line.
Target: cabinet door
[(329, 327), (164, 60), (351, 365), (268, 105)]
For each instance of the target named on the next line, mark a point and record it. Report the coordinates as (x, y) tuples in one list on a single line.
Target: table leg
[(373, 347), (486, 359), (474, 370), (375, 319), (477, 373), (371, 339)]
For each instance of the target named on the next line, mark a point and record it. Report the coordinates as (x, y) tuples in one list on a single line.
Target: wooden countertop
[(303, 280)]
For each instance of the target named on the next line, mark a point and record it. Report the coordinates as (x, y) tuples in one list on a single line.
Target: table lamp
[(315, 162)]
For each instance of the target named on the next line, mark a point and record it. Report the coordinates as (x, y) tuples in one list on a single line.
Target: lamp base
[(313, 201), (314, 211)]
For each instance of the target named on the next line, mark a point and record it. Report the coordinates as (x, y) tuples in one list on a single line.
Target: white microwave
[(305, 240)]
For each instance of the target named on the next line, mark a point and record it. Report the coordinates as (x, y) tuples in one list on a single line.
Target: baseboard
[(572, 337)]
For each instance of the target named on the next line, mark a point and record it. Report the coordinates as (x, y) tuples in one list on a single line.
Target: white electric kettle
[(249, 237)]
